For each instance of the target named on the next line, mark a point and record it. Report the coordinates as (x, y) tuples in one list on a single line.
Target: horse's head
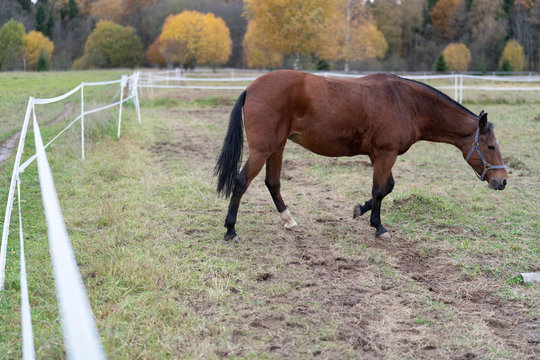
[(484, 155)]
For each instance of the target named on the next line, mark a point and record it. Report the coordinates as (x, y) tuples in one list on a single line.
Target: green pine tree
[(42, 63), (440, 64), (49, 26), (40, 19), (506, 67)]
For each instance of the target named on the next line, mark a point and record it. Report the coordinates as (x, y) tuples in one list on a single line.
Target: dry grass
[(147, 229)]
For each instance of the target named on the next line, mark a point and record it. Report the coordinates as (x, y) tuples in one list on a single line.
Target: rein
[(487, 166)]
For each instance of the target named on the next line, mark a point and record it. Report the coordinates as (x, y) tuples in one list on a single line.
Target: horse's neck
[(449, 125)]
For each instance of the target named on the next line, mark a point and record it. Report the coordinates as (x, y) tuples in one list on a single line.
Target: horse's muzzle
[(497, 184)]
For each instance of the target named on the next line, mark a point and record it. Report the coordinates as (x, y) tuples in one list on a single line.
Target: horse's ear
[(482, 120)]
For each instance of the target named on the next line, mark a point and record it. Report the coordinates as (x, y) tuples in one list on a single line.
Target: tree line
[(396, 35)]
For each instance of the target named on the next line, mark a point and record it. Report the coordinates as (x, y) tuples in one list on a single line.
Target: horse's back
[(332, 117)]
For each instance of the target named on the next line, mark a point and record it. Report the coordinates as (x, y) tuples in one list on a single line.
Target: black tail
[(230, 158)]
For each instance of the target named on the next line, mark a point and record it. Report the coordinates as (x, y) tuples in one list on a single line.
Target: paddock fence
[(496, 88), (81, 339)]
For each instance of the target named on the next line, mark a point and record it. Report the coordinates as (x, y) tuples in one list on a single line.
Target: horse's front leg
[(360, 209), (383, 183)]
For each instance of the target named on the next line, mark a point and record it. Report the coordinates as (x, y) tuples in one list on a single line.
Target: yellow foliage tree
[(351, 35), (457, 57), (258, 52), (291, 27), (107, 9), (194, 38), (216, 44), (35, 43), (514, 54)]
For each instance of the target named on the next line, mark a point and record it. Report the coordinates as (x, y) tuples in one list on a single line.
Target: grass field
[(147, 226)]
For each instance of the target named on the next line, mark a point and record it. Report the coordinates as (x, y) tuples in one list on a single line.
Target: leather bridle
[(487, 166)]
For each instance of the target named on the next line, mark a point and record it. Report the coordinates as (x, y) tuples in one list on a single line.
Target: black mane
[(441, 94)]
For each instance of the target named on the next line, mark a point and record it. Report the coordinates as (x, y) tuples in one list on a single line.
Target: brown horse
[(378, 115)]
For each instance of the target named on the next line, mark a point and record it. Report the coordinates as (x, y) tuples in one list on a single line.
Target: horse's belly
[(328, 146)]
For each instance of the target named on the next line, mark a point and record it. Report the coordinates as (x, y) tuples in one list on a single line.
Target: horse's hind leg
[(251, 168), (272, 181)]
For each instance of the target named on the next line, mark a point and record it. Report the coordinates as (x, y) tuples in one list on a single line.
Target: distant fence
[(177, 79), (81, 339)]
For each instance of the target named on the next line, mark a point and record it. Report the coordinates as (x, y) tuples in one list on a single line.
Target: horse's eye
[(491, 147)]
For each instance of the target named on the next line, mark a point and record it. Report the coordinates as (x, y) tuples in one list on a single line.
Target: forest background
[(391, 35)]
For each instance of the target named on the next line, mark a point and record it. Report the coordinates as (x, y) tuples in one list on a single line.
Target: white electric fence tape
[(26, 317), (33, 157), (165, 78), (155, 80), (58, 98), (9, 206), (80, 333), (194, 87)]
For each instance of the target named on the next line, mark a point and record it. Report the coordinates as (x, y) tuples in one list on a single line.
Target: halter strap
[(487, 166)]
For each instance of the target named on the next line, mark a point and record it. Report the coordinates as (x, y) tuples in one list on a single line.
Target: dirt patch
[(371, 303), (514, 163), (8, 146)]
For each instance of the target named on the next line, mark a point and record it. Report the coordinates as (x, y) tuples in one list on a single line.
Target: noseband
[(487, 166)]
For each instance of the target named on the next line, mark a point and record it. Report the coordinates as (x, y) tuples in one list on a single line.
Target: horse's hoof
[(235, 239), (291, 226), (231, 236), (287, 220), (384, 235), (357, 211)]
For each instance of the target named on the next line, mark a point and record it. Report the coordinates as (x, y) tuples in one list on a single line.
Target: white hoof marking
[(385, 235), (287, 219)]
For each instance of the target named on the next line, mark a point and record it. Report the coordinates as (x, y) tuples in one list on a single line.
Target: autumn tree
[(153, 54), (525, 22), (258, 51), (448, 17), (291, 27), (191, 38), (351, 35), (111, 45), (107, 9), (489, 28), (11, 43), (36, 46), (457, 56), (515, 56), (411, 23), (388, 18)]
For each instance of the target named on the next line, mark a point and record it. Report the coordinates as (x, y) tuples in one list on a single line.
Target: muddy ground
[(391, 299), (9, 146)]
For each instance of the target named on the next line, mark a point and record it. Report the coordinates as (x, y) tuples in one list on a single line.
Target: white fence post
[(82, 120), (9, 206), (136, 77), (122, 85), (455, 87), (461, 88)]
